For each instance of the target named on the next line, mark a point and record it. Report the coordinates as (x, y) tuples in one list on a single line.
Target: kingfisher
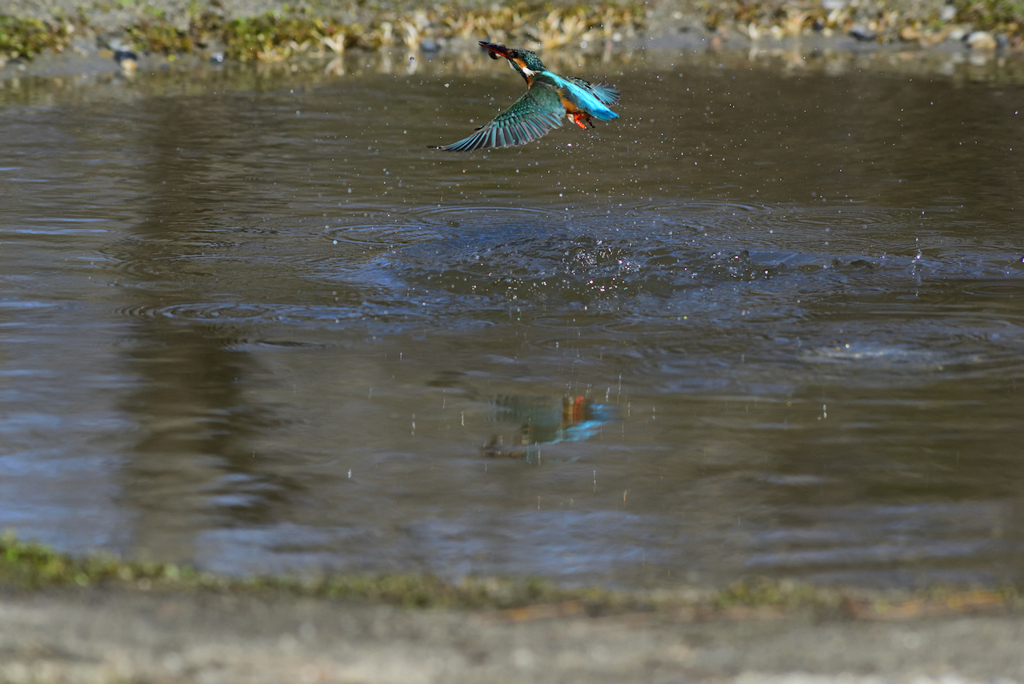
[(548, 98)]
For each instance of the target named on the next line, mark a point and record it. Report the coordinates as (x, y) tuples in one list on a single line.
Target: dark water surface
[(768, 322)]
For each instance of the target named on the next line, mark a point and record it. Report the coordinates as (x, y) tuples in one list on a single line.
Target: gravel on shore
[(271, 30)]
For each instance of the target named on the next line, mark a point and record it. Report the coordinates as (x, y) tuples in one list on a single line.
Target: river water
[(769, 322)]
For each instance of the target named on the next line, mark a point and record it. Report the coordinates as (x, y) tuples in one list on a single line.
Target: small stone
[(864, 34), (127, 60), (980, 40), (122, 56), (957, 33), (911, 34)]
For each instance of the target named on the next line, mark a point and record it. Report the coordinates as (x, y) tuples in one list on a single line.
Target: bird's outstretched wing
[(538, 111), (605, 93)]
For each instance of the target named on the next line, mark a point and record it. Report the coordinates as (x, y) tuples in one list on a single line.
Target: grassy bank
[(33, 567), (250, 31)]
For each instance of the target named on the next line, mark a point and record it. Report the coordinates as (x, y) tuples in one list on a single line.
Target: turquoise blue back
[(583, 96)]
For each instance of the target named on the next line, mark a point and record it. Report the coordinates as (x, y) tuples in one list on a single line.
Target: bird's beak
[(495, 50)]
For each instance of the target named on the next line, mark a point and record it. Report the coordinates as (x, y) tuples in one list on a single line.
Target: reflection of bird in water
[(548, 99), (546, 420), (496, 447)]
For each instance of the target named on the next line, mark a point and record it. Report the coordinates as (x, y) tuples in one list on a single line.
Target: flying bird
[(548, 98)]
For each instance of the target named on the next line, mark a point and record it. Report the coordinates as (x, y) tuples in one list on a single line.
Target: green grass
[(1002, 15), (25, 38), (27, 566)]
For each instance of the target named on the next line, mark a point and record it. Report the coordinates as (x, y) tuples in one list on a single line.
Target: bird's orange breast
[(569, 106)]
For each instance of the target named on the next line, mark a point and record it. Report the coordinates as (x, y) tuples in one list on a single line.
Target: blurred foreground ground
[(117, 635)]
